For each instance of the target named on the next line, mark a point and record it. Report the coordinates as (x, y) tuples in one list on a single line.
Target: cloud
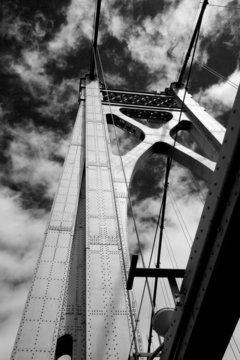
[(219, 98), (160, 42), (152, 40), (26, 61), (61, 102), (27, 26), (217, 19), (21, 236), (78, 24), (19, 229), (33, 153), (114, 80), (12, 303), (31, 70)]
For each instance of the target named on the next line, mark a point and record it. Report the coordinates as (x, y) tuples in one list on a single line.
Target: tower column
[(108, 311)]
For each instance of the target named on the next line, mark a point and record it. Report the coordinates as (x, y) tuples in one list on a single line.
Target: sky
[(45, 50)]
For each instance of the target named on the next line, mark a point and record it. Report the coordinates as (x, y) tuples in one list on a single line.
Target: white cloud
[(114, 80), (79, 24), (55, 99), (61, 98), (31, 154), (220, 97), (21, 236), (12, 303), (223, 91), (161, 42), (216, 19), (30, 68), (18, 229)]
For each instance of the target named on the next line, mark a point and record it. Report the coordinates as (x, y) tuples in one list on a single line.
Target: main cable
[(217, 74), (225, 6)]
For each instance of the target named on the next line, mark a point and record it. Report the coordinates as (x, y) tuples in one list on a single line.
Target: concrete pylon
[(78, 305)]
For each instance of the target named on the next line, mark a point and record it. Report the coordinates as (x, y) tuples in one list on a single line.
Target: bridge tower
[(78, 305)]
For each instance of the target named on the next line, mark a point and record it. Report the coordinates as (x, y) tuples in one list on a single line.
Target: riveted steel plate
[(108, 317)]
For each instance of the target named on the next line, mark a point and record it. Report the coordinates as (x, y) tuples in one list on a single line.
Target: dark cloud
[(138, 10), (116, 58), (146, 181), (26, 21), (218, 52), (72, 64), (34, 102)]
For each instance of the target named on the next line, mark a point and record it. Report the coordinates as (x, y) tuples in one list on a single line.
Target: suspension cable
[(181, 220), (171, 255), (225, 6), (236, 344), (217, 74), (197, 188), (234, 354), (171, 250)]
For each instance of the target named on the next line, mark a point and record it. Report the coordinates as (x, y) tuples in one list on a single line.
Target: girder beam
[(151, 272)]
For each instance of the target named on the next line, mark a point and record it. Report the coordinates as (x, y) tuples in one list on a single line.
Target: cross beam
[(170, 274)]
